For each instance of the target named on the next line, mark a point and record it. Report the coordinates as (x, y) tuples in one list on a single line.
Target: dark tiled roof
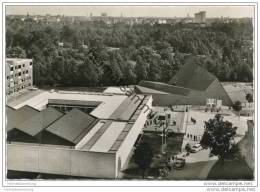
[(39, 121), (16, 117), (71, 125), (165, 88), (193, 76)]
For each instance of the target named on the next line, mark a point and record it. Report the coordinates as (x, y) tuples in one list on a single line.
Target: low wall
[(63, 161)]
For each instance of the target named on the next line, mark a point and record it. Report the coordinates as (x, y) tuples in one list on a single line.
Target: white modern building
[(53, 133), (18, 75)]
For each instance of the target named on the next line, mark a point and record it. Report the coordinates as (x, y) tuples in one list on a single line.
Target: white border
[(128, 183)]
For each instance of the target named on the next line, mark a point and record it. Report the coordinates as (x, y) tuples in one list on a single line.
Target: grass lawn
[(230, 170)]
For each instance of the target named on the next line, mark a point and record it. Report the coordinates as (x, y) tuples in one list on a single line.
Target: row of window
[(18, 66), (18, 89), (19, 81), (17, 74)]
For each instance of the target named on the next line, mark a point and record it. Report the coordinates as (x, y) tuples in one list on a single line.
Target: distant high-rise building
[(103, 14), (18, 75), (200, 17)]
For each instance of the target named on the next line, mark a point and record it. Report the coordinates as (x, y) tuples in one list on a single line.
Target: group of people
[(193, 137), (169, 164)]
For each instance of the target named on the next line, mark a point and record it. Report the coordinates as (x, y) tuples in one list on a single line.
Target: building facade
[(19, 75), (56, 135), (200, 17)]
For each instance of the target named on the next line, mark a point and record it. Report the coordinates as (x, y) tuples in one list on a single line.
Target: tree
[(143, 155), (249, 98), (219, 137), (16, 52), (237, 107)]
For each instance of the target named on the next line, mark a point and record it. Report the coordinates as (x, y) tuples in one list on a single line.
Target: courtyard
[(199, 165)]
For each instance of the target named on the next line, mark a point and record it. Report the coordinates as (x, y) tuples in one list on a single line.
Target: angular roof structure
[(75, 128), (16, 117), (72, 125), (192, 85), (165, 87), (41, 120), (193, 76)]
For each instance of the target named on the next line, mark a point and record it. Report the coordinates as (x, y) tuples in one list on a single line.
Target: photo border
[(255, 4)]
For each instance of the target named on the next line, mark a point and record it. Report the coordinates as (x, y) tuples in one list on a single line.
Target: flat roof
[(159, 86), (148, 90), (73, 102), (127, 108), (117, 90), (108, 102), (108, 138)]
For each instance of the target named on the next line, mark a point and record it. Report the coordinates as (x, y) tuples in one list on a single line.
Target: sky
[(133, 11)]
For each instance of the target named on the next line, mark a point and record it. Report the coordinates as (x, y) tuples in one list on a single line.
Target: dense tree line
[(83, 53)]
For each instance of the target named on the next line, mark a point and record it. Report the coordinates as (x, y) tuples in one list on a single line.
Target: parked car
[(195, 148), (179, 163), (33, 88)]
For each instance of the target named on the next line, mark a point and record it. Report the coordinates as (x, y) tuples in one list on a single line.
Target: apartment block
[(19, 75)]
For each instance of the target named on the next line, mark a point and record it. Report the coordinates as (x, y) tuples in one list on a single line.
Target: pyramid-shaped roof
[(193, 76)]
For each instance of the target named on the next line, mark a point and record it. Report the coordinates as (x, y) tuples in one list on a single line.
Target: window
[(19, 74), (12, 68), (27, 71), (19, 66), (7, 77), (23, 65), (31, 63)]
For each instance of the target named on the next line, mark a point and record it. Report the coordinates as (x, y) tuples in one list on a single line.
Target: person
[(187, 148)]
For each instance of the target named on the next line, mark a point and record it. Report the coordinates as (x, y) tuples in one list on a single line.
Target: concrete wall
[(127, 145), (63, 161)]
